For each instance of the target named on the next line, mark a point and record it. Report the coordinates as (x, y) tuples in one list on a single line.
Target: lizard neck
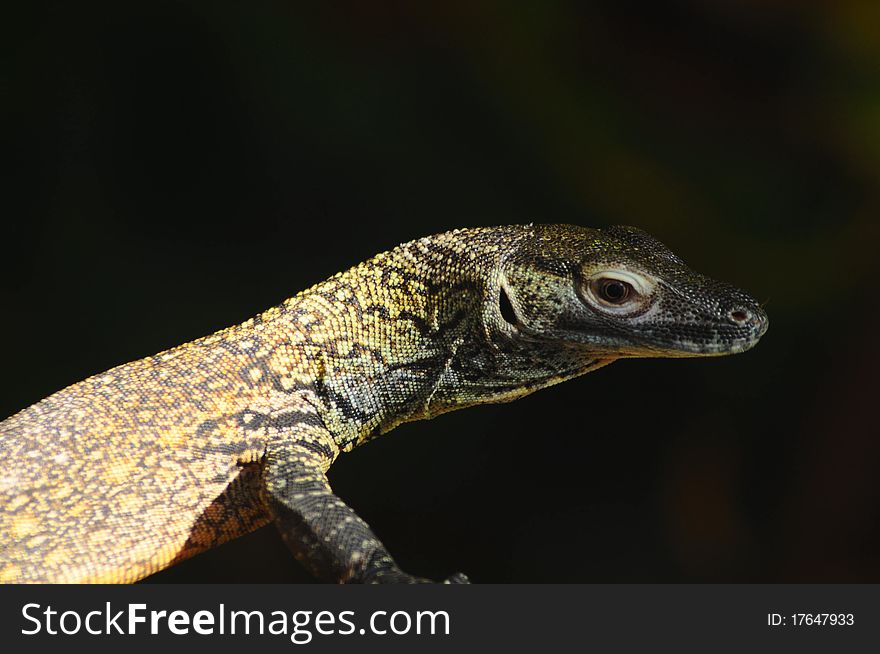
[(405, 336)]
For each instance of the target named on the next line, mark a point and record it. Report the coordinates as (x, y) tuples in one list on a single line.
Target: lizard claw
[(397, 576), (381, 569)]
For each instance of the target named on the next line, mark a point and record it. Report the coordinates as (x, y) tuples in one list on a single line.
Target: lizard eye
[(612, 291), (617, 291)]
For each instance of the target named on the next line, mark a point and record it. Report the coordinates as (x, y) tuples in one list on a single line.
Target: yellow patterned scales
[(137, 468)]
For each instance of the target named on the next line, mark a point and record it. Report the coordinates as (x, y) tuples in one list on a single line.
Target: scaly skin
[(132, 470)]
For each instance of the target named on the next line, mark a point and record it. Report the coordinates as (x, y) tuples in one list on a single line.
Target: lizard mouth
[(719, 348), (714, 339), (740, 331)]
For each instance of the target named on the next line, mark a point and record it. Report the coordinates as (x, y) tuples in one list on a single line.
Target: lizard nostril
[(740, 315)]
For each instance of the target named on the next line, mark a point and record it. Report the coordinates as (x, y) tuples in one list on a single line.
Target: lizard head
[(620, 293)]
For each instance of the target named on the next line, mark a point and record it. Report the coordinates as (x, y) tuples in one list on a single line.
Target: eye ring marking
[(618, 290)]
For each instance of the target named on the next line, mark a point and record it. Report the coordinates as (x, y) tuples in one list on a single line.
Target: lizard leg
[(323, 532)]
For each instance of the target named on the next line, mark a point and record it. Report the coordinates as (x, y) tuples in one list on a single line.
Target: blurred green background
[(175, 167)]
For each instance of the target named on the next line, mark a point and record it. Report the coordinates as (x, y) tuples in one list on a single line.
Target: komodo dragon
[(142, 466)]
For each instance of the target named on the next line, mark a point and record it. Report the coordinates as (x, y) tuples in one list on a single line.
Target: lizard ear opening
[(506, 307)]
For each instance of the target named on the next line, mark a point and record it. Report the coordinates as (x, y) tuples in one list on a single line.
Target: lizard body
[(132, 470)]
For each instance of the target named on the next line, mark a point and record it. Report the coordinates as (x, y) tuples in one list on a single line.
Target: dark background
[(174, 168)]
